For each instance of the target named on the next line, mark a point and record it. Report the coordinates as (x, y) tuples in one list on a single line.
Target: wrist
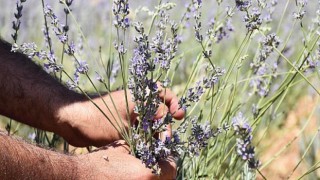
[(67, 122), (85, 170), (67, 117), (81, 123)]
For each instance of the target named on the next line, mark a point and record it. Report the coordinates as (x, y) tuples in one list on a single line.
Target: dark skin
[(31, 96)]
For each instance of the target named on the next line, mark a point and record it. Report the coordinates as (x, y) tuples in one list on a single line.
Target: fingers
[(162, 111), (171, 100)]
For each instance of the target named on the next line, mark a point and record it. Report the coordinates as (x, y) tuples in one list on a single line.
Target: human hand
[(115, 162), (89, 126)]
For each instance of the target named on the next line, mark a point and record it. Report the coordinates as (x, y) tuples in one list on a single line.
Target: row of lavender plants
[(235, 65)]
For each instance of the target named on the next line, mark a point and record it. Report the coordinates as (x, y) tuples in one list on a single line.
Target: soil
[(284, 164)]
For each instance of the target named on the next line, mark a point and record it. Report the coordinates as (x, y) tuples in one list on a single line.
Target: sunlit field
[(246, 73)]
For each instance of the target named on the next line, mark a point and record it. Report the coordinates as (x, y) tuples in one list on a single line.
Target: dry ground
[(284, 164)]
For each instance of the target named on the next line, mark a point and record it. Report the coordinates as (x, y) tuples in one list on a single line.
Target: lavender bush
[(235, 65)]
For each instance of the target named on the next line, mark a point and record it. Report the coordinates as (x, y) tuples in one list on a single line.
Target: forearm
[(30, 95), (20, 160)]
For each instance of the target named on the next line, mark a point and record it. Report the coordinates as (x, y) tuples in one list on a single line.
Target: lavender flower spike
[(240, 124)]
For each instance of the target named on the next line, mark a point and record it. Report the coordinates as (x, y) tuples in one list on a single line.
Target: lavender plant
[(234, 65), (16, 24)]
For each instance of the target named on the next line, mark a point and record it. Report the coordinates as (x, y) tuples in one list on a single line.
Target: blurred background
[(286, 137)]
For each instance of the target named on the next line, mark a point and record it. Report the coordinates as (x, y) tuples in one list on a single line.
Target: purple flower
[(161, 150), (261, 84), (157, 125), (99, 77), (51, 65), (200, 134), (240, 124), (29, 49), (71, 49), (63, 38), (82, 67), (75, 82), (146, 124), (121, 11), (165, 48), (176, 137), (16, 24), (244, 148), (253, 163), (253, 19), (148, 156), (213, 77), (243, 5), (57, 28)]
